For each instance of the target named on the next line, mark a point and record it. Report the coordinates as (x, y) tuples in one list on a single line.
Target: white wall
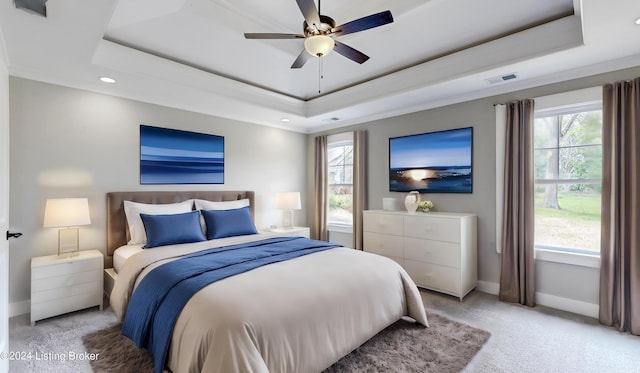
[(72, 143), (563, 286)]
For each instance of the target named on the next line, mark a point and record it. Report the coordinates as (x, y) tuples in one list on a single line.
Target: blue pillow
[(172, 229), (228, 223)]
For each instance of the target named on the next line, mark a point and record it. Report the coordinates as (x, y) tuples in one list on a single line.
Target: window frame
[(342, 139), (565, 104)]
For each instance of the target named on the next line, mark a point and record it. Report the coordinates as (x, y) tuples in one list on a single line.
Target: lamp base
[(287, 219), (68, 241)]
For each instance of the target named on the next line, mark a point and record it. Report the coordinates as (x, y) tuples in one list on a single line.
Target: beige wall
[(73, 143), (556, 279)]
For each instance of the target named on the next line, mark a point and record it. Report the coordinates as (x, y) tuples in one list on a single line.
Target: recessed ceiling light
[(106, 79), (285, 120), (638, 21)]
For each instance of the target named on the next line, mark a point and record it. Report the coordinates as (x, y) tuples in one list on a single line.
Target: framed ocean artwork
[(170, 156)]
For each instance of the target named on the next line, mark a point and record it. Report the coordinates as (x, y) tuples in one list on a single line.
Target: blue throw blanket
[(159, 298)]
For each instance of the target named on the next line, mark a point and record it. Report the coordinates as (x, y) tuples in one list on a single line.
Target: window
[(340, 175), (568, 178)]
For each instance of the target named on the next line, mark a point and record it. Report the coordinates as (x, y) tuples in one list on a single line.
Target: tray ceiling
[(191, 54)]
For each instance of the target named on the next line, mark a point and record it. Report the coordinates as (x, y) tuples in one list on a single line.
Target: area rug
[(446, 346)]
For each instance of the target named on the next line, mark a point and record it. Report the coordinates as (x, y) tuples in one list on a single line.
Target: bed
[(298, 315)]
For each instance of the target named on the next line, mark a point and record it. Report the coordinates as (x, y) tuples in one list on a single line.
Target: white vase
[(411, 202)]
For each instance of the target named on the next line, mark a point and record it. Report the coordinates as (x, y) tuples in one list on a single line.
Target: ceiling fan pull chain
[(319, 73)]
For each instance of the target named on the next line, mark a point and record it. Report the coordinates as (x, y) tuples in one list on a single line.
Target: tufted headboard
[(117, 230)]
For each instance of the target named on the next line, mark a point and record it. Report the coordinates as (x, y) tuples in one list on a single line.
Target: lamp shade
[(288, 201), (66, 212), (319, 45)]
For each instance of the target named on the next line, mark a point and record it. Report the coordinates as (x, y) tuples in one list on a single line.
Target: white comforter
[(300, 315)]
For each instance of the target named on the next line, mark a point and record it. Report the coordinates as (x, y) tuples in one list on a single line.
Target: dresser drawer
[(432, 228), (383, 223), (436, 252), (66, 268), (383, 244), (433, 276)]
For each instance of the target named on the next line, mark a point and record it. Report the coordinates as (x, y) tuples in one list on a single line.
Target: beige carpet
[(523, 339), (446, 346)]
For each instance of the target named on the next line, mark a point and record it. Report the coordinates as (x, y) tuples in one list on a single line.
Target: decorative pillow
[(228, 223), (172, 229), (203, 204), (132, 210)]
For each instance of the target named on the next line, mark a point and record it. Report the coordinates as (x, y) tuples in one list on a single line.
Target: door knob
[(13, 234)]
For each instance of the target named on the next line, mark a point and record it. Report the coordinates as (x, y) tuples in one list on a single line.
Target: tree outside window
[(340, 175), (568, 180)]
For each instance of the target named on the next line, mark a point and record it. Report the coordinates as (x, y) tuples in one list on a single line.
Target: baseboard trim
[(569, 305), (549, 300), (19, 308), (488, 287)]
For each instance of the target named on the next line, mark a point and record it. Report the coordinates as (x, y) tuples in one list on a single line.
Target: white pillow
[(133, 210), (203, 204)]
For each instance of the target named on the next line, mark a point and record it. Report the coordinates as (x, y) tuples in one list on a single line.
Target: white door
[(4, 217), (4, 245)]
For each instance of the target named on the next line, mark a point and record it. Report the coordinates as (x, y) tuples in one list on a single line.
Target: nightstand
[(61, 284), (295, 231)]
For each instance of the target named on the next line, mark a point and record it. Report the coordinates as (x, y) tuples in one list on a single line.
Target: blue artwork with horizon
[(169, 156), (434, 162)]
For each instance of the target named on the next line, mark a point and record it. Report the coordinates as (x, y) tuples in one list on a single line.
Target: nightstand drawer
[(61, 293), (64, 281), (66, 268), (64, 305)]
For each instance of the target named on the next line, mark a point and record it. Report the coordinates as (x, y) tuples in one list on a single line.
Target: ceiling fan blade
[(249, 35), (303, 57), (350, 53), (364, 23), (309, 11)]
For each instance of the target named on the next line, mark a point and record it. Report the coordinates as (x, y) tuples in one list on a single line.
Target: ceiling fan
[(319, 32)]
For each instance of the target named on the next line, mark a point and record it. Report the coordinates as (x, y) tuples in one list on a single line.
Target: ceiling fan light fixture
[(319, 45)]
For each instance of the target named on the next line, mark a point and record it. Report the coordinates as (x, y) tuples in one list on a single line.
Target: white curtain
[(501, 128)]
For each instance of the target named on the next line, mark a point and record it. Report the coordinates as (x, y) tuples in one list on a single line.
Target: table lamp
[(67, 214), (288, 202)]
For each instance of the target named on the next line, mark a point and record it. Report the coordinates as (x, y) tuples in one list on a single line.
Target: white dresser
[(437, 249), (61, 284)]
